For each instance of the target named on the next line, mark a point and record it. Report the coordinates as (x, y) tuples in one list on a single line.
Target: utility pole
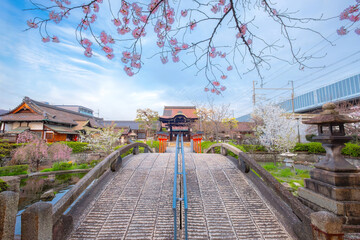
[(254, 94), (292, 96)]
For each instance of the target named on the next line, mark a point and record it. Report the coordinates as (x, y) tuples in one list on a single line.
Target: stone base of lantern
[(337, 192)]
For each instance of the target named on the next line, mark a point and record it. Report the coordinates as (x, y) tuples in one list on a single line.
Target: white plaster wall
[(24, 124), (36, 126), (15, 125), (8, 126)]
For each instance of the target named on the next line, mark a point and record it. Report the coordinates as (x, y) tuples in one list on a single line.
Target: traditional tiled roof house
[(131, 129), (178, 119), (49, 122)]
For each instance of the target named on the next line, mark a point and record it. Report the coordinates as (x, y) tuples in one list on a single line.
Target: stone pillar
[(136, 150), (223, 151), (116, 165), (326, 226), (8, 210), (36, 222)]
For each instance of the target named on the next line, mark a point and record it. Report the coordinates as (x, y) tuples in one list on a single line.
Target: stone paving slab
[(137, 203)]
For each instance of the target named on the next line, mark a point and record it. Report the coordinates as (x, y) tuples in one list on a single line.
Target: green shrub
[(309, 137), (302, 147), (62, 166), (312, 147), (77, 147), (254, 148), (14, 170), (153, 144), (206, 144), (351, 149), (3, 185)]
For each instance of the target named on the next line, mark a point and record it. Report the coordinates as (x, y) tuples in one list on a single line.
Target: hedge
[(14, 170), (3, 185), (312, 147), (350, 149), (77, 147)]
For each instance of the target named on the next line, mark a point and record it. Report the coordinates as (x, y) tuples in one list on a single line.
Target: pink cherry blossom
[(32, 24), (136, 57), (217, 92), (206, 89), (143, 18), (192, 25), (184, 13), (213, 54), (213, 49), (222, 2), (124, 60), (136, 65), (213, 90), (93, 18), (122, 30), (99, 1), (138, 32), (223, 88), (110, 56), (216, 83), (116, 22), (274, 11), (160, 44), (249, 41), (124, 11), (354, 18), (223, 77), (86, 9), (104, 37), (126, 20), (126, 54), (173, 41), (164, 60), (341, 31), (88, 52), (229, 68), (185, 46), (215, 9), (357, 31), (55, 39), (227, 8), (175, 59), (95, 7), (86, 42), (135, 21), (45, 40), (223, 55), (128, 71), (107, 49)]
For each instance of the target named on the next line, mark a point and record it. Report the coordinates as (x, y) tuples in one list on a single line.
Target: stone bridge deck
[(136, 203)]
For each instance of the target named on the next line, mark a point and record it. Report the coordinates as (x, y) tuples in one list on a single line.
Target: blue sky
[(61, 74)]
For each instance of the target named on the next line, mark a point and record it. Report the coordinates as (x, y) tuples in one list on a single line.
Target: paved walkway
[(137, 203)]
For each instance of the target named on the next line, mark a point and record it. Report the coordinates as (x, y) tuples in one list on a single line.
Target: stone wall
[(301, 157)]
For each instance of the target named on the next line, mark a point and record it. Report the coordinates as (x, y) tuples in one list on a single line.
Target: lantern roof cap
[(330, 115)]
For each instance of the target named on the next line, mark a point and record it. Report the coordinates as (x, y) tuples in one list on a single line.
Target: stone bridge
[(136, 202)]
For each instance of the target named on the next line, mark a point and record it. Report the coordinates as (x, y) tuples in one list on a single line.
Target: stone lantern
[(334, 183), (332, 136)]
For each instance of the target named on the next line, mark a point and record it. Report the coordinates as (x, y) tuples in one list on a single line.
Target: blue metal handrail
[(182, 197)]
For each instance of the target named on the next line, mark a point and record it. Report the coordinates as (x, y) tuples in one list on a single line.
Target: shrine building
[(178, 119)]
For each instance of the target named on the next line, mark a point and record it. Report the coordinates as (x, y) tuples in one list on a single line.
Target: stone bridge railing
[(46, 221), (245, 163)]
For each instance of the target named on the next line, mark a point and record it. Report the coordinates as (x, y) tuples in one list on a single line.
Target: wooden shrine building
[(178, 119)]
